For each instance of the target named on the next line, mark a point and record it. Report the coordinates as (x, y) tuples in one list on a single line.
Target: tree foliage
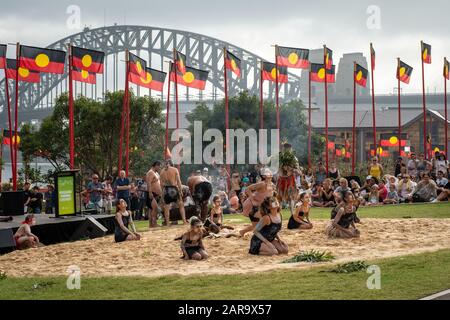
[(97, 131)]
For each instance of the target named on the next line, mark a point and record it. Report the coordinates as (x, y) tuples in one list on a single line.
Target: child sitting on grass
[(392, 196), (374, 196)]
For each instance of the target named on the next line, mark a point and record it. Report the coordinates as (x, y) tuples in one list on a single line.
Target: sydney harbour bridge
[(156, 46)]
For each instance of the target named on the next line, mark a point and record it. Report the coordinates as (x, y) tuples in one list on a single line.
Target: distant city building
[(344, 77)]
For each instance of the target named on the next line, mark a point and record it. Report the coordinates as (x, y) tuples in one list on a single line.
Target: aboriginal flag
[(373, 56), (7, 137), (193, 78), (318, 73), (404, 72), (391, 139), (180, 61), (446, 69), (42, 60), (2, 56), (83, 76), (88, 60), (361, 75), (137, 65), (340, 150), (380, 152), (328, 58), (25, 75), (233, 63), (293, 57), (154, 79), (426, 53), (331, 142), (269, 73)]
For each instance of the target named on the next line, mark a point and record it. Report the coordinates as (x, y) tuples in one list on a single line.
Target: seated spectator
[(355, 188), (441, 181), (236, 183), (224, 202), (392, 196), (426, 190), (374, 196), (321, 173), (444, 195), (342, 189), (333, 172), (309, 176), (234, 202), (382, 191), (405, 188), (328, 194)]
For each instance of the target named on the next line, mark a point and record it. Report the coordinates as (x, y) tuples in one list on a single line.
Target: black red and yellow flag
[(340, 150), (25, 75), (373, 57), (83, 76), (233, 63), (361, 75), (292, 57), (404, 72), (446, 69), (383, 153), (392, 140), (331, 142), (193, 78), (42, 60), (153, 79), (2, 56), (7, 137), (318, 73), (88, 60), (269, 73), (180, 61), (328, 54), (137, 64), (426, 53)]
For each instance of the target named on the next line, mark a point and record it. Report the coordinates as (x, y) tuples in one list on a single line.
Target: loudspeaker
[(89, 228), (12, 203), (7, 238)]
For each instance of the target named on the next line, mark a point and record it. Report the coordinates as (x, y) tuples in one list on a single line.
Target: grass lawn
[(404, 211), (409, 277)]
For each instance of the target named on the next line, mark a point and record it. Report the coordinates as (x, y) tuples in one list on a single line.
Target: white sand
[(159, 255)]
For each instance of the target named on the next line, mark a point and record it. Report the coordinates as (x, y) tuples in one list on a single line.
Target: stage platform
[(51, 230)]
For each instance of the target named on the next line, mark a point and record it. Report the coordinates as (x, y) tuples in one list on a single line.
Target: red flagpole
[(167, 116), (122, 122), (128, 111), (176, 101), (309, 120), (8, 99), (354, 121), (71, 112), (326, 108), (261, 98), (16, 117), (226, 109), (424, 104), (445, 111), (374, 117), (399, 112), (277, 92)]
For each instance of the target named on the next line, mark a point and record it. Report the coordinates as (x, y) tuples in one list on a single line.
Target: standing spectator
[(123, 188), (412, 166), (321, 173), (95, 190), (206, 175), (108, 195), (26, 196), (134, 198), (421, 164), (400, 167), (375, 169), (222, 179), (440, 163), (236, 183), (35, 201), (49, 199), (309, 176), (234, 202)]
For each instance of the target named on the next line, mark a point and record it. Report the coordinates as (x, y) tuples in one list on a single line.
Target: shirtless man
[(23, 237), (172, 191), (256, 194), (201, 191), (154, 193)]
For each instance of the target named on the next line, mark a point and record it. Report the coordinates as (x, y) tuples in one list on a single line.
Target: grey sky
[(255, 25)]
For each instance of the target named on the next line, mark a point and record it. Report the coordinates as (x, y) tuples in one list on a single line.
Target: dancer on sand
[(154, 193), (192, 243), (23, 237), (289, 166), (344, 219), (172, 191), (124, 220), (201, 190), (300, 218), (256, 193), (265, 240)]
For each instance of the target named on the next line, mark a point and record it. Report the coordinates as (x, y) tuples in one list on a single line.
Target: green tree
[(244, 113), (97, 131)]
